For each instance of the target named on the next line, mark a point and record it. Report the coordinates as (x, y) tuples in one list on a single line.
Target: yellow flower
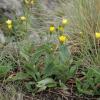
[(97, 35), (32, 2), (62, 38), (64, 21), (26, 1), (9, 22), (29, 1), (81, 33), (10, 26), (23, 18), (52, 28)]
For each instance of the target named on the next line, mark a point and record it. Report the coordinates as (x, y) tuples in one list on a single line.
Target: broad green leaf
[(45, 82), (28, 85), (18, 76), (26, 57), (64, 53), (63, 86), (72, 71), (4, 69), (42, 88), (49, 66)]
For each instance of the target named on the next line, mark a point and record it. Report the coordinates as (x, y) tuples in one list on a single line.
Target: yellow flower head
[(62, 38), (64, 21), (10, 26), (23, 18), (97, 35), (32, 2), (26, 1), (29, 1), (9, 22), (80, 33), (52, 28)]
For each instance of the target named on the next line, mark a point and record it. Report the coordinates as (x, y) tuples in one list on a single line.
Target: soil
[(58, 94)]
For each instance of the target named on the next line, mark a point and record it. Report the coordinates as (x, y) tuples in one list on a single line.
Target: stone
[(12, 5), (2, 37)]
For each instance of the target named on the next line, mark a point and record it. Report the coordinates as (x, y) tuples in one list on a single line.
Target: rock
[(2, 37), (12, 5)]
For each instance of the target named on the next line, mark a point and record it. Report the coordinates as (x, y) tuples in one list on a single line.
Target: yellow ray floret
[(9, 22), (63, 39), (29, 1), (32, 2), (10, 26), (23, 18), (97, 35), (52, 28), (64, 21)]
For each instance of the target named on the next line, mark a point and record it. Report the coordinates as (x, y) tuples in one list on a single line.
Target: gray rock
[(12, 5), (2, 37)]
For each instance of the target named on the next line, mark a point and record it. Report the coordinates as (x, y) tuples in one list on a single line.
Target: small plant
[(66, 55)]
